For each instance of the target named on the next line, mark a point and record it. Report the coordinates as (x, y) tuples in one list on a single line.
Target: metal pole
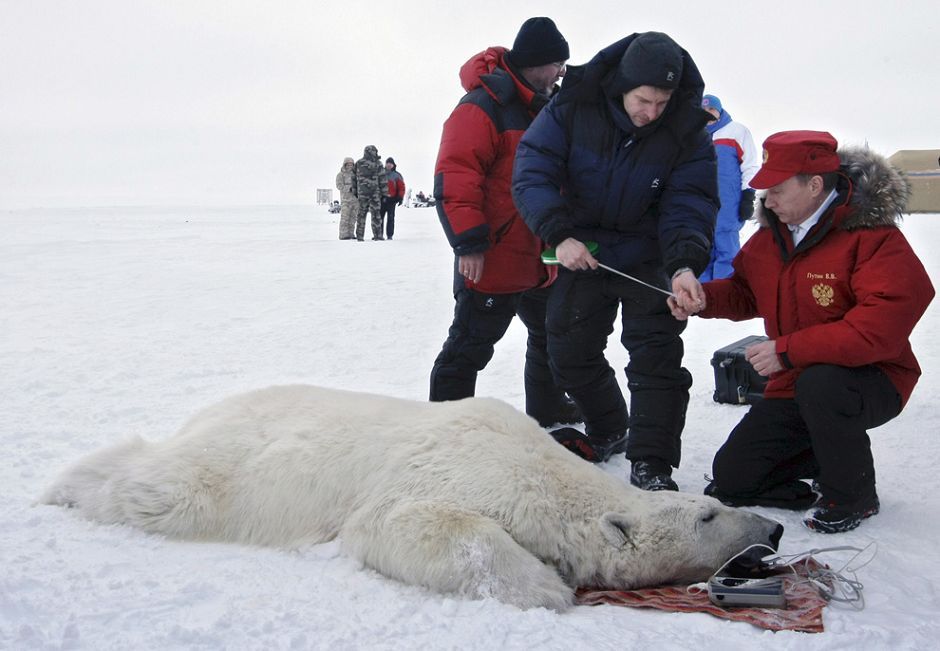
[(636, 280)]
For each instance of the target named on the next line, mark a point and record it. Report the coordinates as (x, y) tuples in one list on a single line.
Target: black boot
[(567, 413), (832, 517), (652, 474), (587, 448)]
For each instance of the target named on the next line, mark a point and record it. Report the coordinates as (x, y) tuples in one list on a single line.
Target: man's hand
[(763, 357), (679, 313), (471, 266), (746, 207), (574, 255), (690, 297)]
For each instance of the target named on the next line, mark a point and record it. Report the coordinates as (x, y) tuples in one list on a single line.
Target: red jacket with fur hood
[(849, 294), (473, 174)]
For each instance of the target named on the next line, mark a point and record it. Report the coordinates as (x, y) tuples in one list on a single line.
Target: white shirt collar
[(799, 231)]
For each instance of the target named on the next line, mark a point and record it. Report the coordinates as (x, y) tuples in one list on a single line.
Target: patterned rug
[(803, 612)]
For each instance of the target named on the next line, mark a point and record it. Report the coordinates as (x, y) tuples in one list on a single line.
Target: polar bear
[(469, 497)]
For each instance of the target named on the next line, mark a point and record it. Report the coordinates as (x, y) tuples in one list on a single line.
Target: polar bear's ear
[(617, 529)]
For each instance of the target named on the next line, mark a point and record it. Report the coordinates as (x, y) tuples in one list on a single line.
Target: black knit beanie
[(537, 43), (390, 160), (651, 59)]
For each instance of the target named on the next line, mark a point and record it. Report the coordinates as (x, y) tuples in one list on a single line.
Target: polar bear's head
[(671, 538)]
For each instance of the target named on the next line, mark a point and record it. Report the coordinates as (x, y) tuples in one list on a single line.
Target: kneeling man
[(840, 290)]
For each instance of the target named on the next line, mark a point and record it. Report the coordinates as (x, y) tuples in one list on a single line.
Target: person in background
[(371, 187), (396, 195), (737, 164), (498, 272), (349, 206), (621, 157), (839, 290)]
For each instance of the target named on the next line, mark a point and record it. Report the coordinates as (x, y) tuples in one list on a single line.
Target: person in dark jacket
[(621, 157), (498, 273), (839, 290), (396, 194)]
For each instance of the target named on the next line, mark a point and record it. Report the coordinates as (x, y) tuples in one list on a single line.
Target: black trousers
[(821, 433), (480, 321), (581, 313), (388, 214)]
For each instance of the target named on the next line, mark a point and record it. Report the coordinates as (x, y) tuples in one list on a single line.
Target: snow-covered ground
[(123, 321)]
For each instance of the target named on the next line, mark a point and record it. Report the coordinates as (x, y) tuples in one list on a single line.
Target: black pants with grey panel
[(821, 433)]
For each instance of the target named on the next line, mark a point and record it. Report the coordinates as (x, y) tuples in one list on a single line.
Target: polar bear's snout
[(750, 560)]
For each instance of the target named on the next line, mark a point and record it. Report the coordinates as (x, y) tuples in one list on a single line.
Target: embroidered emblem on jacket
[(823, 294)]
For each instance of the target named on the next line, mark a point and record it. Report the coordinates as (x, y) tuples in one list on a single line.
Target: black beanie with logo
[(651, 59)]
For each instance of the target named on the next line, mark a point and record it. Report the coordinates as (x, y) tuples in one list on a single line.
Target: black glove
[(400, 199), (746, 209)]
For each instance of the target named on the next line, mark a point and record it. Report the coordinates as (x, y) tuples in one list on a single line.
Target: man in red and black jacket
[(498, 272), (396, 194), (839, 289)]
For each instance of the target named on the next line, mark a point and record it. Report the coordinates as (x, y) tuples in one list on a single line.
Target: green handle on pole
[(548, 255)]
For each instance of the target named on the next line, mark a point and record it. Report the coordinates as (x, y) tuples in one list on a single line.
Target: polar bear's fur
[(469, 497)]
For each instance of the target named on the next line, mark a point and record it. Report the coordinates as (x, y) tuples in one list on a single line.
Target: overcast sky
[(136, 102)]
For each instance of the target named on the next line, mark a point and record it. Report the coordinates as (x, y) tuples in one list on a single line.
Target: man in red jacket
[(396, 194), (498, 273), (840, 290)]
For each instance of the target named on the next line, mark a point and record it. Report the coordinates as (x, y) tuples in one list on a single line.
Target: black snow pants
[(822, 433), (480, 321), (388, 214), (581, 313)]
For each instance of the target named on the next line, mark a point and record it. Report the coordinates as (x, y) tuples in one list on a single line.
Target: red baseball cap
[(796, 152)]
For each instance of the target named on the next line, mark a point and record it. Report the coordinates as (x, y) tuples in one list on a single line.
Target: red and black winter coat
[(473, 173), (396, 185), (849, 294)]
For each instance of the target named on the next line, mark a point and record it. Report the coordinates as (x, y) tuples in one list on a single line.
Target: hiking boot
[(587, 448), (567, 414), (378, 239), (831, 517), (651, 474)]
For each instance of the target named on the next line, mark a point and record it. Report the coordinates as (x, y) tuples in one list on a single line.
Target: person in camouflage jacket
[(371, 187), (349, 205)]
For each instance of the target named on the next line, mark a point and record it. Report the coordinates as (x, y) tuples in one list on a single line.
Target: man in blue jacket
[(621, 157)]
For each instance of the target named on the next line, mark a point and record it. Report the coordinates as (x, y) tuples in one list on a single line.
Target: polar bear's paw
[(452, 550), (514, 576)]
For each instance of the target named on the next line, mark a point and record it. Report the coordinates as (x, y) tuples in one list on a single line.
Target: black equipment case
[(736, 381)]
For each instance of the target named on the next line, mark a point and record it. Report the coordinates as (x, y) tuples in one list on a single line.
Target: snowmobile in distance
[(421, 200)]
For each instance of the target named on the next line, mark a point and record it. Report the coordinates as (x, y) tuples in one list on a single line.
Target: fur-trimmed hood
[(876, 192)]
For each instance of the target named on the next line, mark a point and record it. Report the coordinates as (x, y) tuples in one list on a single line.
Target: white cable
[(835, 585), (832, 585)]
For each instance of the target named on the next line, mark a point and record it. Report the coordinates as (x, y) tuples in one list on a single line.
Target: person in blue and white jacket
[(738, 162)]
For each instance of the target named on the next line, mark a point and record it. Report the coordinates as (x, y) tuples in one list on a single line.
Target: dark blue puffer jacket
[(646, 195)]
